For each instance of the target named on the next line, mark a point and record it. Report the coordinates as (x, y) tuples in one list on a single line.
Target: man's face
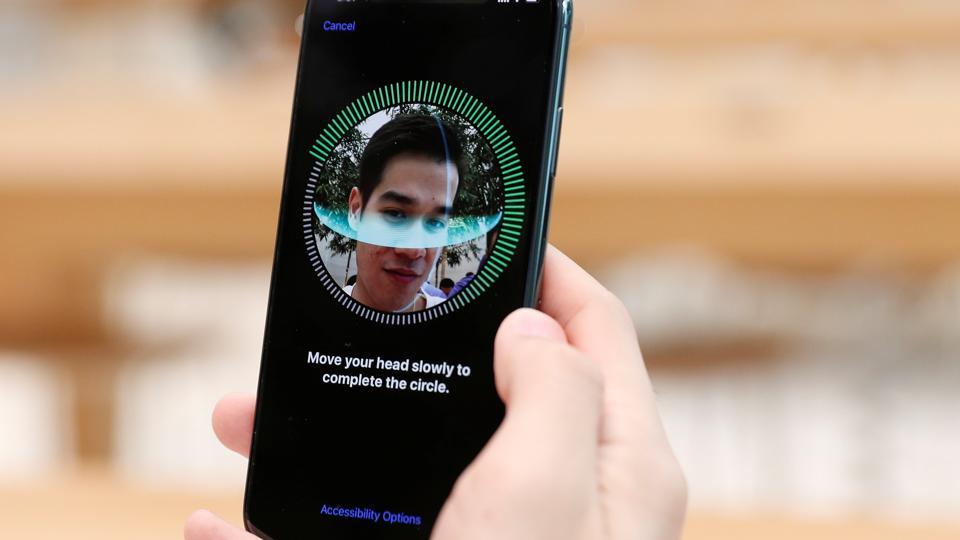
[(414, 191)]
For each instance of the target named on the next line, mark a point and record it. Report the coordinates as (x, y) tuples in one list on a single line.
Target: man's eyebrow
[(397, 197), (406, 200)]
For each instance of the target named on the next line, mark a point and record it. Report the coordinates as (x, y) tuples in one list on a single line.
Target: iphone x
[(413, 219)]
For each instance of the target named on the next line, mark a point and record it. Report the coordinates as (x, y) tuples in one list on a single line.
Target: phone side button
[(556, 141)]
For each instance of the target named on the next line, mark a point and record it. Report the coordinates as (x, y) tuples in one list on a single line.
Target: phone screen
[(411, 224)]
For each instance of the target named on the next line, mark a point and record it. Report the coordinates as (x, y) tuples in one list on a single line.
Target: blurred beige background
[(773, 187)]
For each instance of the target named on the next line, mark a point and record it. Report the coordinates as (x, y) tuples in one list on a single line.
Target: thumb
[(536, 478), (538, 374), (553, 393)]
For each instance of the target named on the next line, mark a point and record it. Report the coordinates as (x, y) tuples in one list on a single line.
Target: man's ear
[(354, 207), (355, 202)]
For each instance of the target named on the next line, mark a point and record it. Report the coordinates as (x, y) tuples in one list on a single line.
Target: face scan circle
[(407, 208)]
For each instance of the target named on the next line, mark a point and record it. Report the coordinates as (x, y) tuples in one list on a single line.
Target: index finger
[(233, 422)]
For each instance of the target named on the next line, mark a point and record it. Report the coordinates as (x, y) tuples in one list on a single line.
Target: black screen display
[(411, 215)]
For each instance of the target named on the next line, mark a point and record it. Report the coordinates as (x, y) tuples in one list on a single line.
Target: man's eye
[(393, 216), (435, 225)]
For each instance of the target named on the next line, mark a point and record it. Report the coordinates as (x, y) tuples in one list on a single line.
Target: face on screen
[(414, 171), (414, 191)]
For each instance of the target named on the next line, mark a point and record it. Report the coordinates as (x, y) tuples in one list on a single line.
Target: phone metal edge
[(541, 216)]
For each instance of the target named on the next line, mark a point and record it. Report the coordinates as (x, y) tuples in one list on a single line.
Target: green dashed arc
[(489, 126)]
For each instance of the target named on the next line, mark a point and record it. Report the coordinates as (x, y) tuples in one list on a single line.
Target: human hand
[(581, 453)]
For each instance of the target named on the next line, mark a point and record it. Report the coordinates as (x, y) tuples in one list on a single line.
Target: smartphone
[(413, 219)]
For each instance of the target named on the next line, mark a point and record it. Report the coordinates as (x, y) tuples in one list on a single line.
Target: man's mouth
[(402, 275)]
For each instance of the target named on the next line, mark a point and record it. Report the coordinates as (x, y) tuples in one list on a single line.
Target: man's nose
[(411, 253)]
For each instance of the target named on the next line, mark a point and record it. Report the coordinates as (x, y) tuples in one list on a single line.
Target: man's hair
[(416, 134), (446, 282)]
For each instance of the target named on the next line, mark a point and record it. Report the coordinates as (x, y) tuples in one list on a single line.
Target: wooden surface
[(90, 504), (791, 118), (812, 22)]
